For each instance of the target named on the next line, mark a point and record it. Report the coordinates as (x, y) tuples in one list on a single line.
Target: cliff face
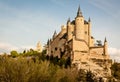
[(100, 68)]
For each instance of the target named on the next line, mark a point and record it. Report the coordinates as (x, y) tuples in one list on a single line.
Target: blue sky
[(25, 22)]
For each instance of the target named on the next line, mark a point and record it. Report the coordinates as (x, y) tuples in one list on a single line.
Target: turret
[(105, 47), (79, 25), (48, 42), (69, 30), (55, 34), (89, 32)]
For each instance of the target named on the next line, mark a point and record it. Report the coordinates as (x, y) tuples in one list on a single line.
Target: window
[(55, 48), (51, 51)]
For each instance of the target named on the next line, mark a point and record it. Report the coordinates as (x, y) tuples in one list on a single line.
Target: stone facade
[(75, 41)]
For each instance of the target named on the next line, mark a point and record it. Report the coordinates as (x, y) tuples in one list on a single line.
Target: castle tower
[(89, 32), (79, 25), (69, 30), (105, 47), (39, 47)]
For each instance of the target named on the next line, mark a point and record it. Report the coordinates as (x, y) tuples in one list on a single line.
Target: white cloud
[(114, 53), (7, 47)]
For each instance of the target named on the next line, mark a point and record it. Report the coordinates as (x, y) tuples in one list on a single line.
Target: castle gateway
[(75, 41)]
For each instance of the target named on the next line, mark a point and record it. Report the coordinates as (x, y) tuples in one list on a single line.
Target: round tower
[(69, 30), (105, 47), (89, 32), (79, 25)]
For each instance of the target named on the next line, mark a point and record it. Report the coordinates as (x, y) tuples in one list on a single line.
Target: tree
[(89, 76), (99, 42), (116, 70), (14, 53)]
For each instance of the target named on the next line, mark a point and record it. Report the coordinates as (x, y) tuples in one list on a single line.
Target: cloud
[(7, 47), (114, 53)]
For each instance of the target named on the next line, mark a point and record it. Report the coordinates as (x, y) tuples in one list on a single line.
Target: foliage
[(21, 69), (99, 42), (14, 53), (31, 66), (116, 70), (29, 69), (89, 76), (25, 53)]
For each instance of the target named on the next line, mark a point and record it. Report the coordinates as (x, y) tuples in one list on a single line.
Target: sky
[(25, 22)]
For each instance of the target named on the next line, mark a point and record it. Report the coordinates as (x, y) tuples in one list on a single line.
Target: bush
[(116, 70), (14, 53), (21, 69)]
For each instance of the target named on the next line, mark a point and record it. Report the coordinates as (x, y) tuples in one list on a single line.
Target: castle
[(75, 41)]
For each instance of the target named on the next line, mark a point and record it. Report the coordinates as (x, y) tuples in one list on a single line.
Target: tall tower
[(69, 30), (79, 25), (39, 47), (105, 47)]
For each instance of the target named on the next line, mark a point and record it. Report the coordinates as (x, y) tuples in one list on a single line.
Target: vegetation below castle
[(29, 70), (32, 66)]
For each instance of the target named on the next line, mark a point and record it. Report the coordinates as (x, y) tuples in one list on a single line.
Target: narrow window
[(55, 48)]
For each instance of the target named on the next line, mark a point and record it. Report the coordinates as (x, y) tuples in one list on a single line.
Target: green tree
[(14, 53)]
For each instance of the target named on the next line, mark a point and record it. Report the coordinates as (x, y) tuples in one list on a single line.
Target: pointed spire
[(89, 20), (55, 34), (68, 20), (79, 13), (105, 40), (48, 42)]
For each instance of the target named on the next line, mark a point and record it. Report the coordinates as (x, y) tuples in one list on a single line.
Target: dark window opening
[(51, 51), (55, 48)]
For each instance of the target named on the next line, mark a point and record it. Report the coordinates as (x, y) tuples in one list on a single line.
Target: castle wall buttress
[(69, 31), (79, 45)]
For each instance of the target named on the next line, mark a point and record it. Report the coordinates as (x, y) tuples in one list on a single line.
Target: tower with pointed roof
[(79, 25), (69, 30), (105, 47)]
